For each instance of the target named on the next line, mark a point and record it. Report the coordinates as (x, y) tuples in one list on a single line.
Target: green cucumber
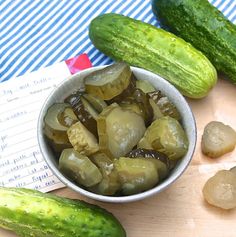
[(30, 213), (205, 27), (146, 46)]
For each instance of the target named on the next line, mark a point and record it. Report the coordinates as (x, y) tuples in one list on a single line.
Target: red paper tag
[(78, 63)]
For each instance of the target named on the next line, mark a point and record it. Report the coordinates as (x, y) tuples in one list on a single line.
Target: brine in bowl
[(117, 133)]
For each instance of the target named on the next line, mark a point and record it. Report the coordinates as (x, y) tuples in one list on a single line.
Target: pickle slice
[(89, 108), (79, 168), (160, 160), (156, 110), (166, 107), (136, 175), (145, 86), (140, 99), (119, 130), (82, 139), (126, 92), (97, 103), (110, 182), (109, 81), (220, 190), (58, 141), (56, 123), (218, 139), (67, 117), (167, 136), (132, 106), (51, 118), (83, 110)]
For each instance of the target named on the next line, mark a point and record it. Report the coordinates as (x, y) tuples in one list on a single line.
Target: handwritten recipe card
[(21, 99)]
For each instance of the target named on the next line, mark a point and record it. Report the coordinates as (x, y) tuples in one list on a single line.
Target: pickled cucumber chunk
[(57, 120), (82, 139), (145, 86), (67, 117), (85, 113), (141, 99), (53, 119), (126, 92), (156, 110), (136, 175), (97, 103), (220, 189), (109, 184), (57, 142), (166, 107), (79, 168), (108, 82), (160, 160), (167, 136), (218, 139), (119, 130)]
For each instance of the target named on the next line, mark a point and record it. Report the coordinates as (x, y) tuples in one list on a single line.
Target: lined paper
[(21, 163)]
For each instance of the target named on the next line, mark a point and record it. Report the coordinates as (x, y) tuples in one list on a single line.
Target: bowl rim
[(115, 199)]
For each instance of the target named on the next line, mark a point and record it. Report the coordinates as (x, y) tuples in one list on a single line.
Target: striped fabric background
[(38, 33)]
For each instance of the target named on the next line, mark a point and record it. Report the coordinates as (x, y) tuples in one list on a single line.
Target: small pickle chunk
[(109, 184), (141, 99), (57, 143), (156, 110), (167, 136), (220, 190), (218, 139), (145, 86), (97, 103), (82, 139), (67, 117), (53, 121), (160, 160), (79, 168), (85, 113), (109, 81), (119, 130), (126, 92), (166, 107), (57, 120), (136, 175)]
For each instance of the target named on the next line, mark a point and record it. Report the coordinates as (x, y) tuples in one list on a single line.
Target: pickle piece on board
[(218, 139)]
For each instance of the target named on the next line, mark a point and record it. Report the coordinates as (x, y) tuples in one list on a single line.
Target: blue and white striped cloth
[(38, 33)]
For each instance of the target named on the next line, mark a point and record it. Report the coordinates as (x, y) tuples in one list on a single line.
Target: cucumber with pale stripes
[(32, 213), (146, 46), (205, 27)]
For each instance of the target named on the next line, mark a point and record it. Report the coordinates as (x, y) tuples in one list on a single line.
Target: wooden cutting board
[(180, 211)]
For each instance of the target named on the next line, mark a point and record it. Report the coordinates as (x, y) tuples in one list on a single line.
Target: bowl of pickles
[(117, 133)]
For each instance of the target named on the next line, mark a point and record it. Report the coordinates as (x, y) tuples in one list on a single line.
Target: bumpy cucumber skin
[(205, 27), (30, 213), (146, 46)]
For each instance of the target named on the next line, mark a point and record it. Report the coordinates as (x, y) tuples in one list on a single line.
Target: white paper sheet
[(21, 163)]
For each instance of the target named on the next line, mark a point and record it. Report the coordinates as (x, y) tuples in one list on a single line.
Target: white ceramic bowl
[(75, 82)]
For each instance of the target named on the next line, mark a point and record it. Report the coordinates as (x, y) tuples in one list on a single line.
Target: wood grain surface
[(180, 211)]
